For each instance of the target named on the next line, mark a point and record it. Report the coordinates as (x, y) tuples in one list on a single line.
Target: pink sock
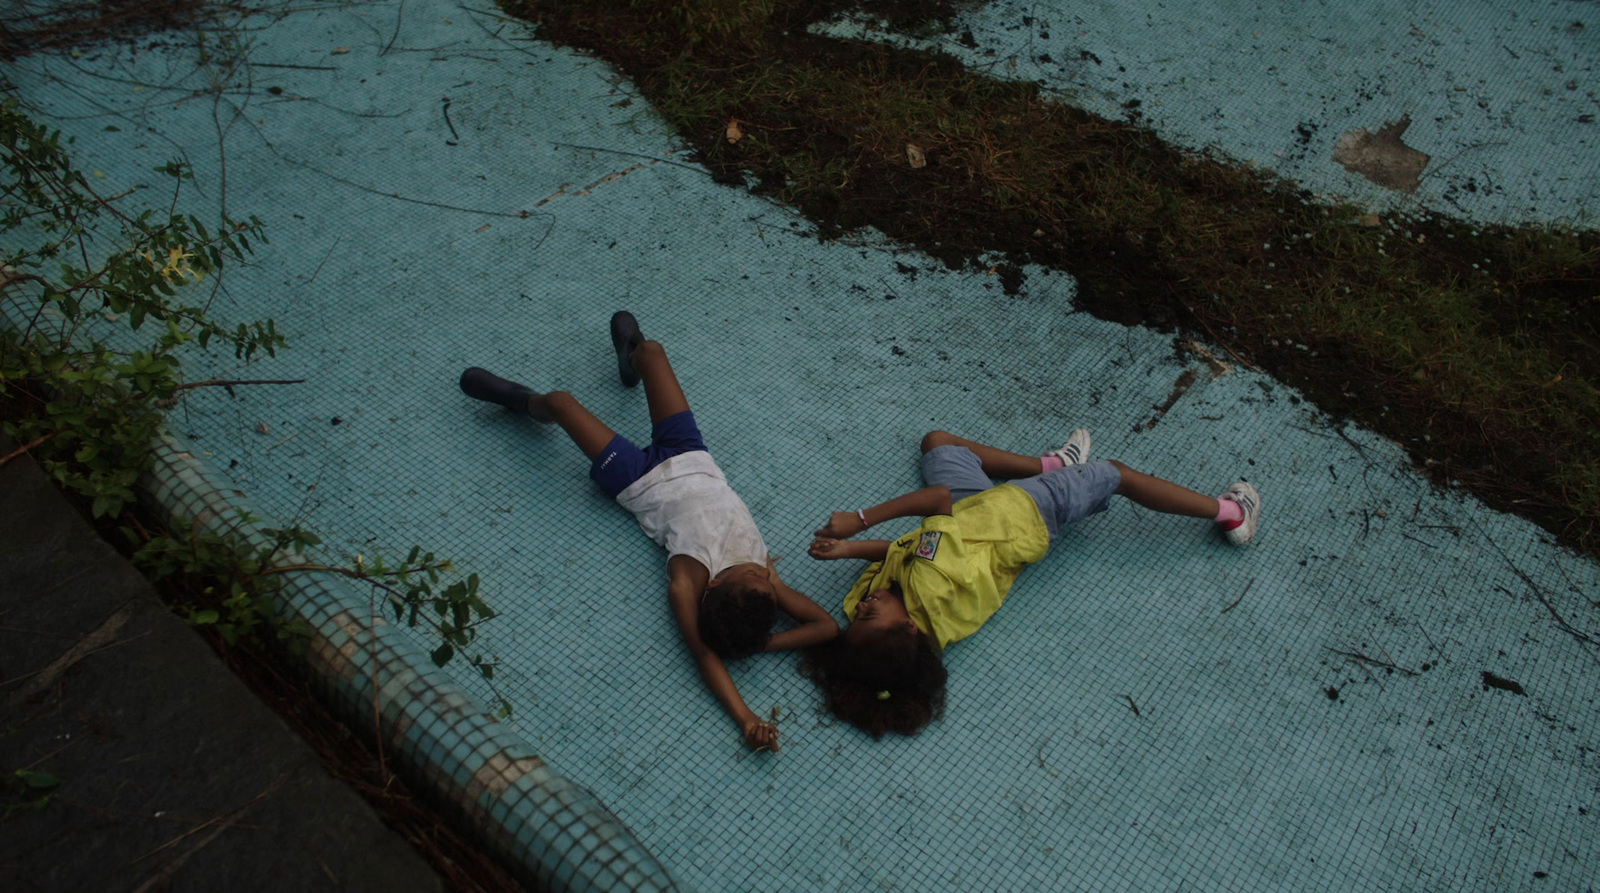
[(1051, 463), (1228, 510)]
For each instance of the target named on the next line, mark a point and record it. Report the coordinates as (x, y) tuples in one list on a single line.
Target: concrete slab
[(172, 774)]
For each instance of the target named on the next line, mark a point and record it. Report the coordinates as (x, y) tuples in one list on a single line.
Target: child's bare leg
[(661, 389), (588, 432), (997, 463), (1163, 496)]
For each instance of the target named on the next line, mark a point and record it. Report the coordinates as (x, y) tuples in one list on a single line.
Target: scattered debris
[(1490, 680), (1179, 388), (915, 156), (1362, 660), (1382, 157), (1218, 368), (1235, 602)]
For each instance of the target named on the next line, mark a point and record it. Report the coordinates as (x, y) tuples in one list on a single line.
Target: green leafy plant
[(233, 586), (28, 789), (98, 308), (83, 390)]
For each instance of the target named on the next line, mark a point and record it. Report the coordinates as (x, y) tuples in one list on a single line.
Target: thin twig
[(1241, 596), (302, 67), (1538, 593), (515, 215), (399, 17), (325, 258), (1363, 659), (687, 167), (450, 125), (26, 447), (226, 383), (226, 818), (372, 649)]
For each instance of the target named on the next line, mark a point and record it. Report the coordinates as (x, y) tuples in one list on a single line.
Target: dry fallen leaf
[(1382, 157), (339, 51), (734, 133), (915, 156), (1369, 220), (482, 228), (261, 428)]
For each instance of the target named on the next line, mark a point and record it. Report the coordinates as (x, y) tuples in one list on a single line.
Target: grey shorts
[(1063, 496)]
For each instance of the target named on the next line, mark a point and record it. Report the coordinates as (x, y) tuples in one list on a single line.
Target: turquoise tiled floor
[(814, 369)]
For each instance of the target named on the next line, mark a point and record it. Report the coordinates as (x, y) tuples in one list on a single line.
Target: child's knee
[(1123, 472), (648, 350), (560, 403), (935, 439)]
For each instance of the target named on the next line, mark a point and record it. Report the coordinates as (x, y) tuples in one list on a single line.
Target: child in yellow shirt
[(938, 584)]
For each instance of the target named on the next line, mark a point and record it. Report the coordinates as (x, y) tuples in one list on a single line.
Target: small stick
[(449, 125), (1431, 644), (301, 67), (223, 383), (400, 16), (1363, 659), (26, 447), (325, 258), (1241, 596), (687, 167)]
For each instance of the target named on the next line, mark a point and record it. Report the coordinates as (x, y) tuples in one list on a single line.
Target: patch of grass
[(1477, 348), (35, 25)]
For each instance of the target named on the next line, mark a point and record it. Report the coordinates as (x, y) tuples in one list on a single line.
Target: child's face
[(878, 612)]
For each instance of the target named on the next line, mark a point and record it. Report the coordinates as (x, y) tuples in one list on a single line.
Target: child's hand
[(827, 549), (760, 735), (841, 525)]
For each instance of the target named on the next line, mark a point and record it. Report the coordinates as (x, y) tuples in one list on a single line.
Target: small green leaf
[(39, 781), (442, 654)]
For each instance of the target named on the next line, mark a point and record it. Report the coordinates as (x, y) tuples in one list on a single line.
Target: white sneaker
[(1076, 450), (1242, 531)]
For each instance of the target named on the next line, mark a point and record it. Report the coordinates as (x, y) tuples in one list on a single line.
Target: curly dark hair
[(891, 682), (736, 621)]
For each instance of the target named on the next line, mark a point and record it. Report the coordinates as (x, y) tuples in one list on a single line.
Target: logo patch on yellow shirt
[(928, 546)]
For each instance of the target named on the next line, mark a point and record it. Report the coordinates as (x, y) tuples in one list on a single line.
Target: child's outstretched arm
[(920, 503), (686, 583), (816, 625), (828, 549)]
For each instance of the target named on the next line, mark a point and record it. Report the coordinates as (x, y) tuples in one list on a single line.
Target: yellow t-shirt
[(956, 569)]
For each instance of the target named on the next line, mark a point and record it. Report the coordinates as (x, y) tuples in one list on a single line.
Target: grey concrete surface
[(172, 774)]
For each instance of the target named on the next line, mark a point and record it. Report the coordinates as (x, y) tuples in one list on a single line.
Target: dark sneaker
[(1242, 531), (625, 336), (481, 384), (1076, 450)]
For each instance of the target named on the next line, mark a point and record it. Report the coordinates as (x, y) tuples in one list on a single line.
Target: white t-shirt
[(686, 505)]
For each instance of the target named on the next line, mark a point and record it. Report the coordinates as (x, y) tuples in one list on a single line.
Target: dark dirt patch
[(1474, 347), (30, 29)]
